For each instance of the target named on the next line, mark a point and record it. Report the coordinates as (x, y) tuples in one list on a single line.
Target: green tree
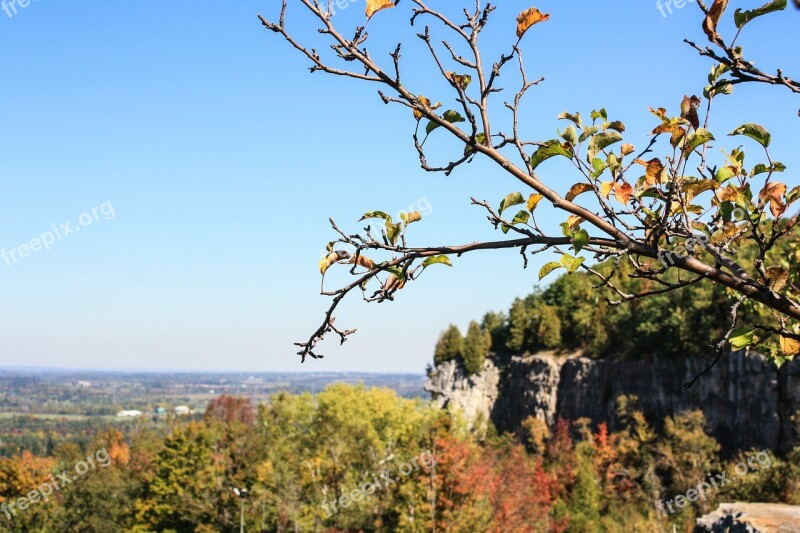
[(547, 326), (450, 345), (519, 324), (476, 347), (495, 324)]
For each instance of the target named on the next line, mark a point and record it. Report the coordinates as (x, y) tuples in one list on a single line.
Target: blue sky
[(223, 158)]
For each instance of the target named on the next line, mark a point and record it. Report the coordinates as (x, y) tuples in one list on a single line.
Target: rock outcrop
[(751, 518), (747, 402)]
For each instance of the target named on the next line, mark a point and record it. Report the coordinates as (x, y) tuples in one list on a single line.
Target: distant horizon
[(123, 370)]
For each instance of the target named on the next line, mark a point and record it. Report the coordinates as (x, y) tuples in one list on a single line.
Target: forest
[(359, 459)]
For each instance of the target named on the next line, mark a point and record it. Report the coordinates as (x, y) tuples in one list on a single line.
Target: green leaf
[(741, 338), (515, 198), (436, 260), (549, 149), (602, 141), (575, 118), (754, 131), (725, 173), (376, 214), (697, 139), (761, 168), (580, 239), (521, 218), (397, 271), (480, 138), (599, 114), (743, 17), (793, 195), (570, 135), (451, 115), (588, 132), (547, 268), (393, 231), (571, 263)]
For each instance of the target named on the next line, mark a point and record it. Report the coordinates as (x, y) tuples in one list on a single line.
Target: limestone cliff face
[(747, 402)]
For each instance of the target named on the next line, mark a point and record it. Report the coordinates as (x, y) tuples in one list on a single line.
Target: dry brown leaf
[(626, 149), (363, 261), (712, 19), (689, 110), (774, 193), (373, 6), (727, 194), (575, 190), (653, 171), (528, 18)]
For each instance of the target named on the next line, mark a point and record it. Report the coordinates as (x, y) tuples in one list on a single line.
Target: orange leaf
[(623, 192), (528, 18), (373, 6), (575, 190), (774, 193)]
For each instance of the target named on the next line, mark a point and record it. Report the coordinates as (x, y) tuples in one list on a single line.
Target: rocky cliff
[(748, 403)]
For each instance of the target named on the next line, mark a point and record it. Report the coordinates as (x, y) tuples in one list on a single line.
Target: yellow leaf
[(575, 190), (574, 220), (373, 6), (727, 194), (789, 346), (605, 188), (331, 258), (528, 18), (533, 200)]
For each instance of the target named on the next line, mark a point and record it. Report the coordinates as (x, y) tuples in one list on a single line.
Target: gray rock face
[(748, 403), (751, 518)]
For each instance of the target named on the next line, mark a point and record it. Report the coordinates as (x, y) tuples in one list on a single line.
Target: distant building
[(84, 384), (131, 413), (183, 410), (159, 410)]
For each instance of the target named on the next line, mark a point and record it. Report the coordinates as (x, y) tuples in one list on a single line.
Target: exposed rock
[(751, 518), (748, 403), (475, 395)]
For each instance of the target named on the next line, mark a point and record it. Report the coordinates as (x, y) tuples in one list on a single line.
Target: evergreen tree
[(449, 346), (475, 348), (518, 326)]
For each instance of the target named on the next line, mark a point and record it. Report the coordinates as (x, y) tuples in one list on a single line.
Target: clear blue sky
[(222, 159)]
